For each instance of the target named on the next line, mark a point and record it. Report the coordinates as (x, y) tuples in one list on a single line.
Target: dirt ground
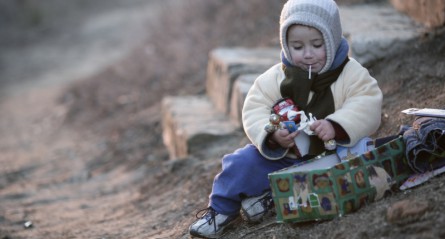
[(86, 160)]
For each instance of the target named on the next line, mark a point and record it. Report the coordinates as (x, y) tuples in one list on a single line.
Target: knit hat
[(320, 14)]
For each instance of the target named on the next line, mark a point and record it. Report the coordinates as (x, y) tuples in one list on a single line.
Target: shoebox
[(327, 187)]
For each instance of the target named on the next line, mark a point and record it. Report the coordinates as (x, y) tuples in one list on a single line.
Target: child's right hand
[(284, 138)]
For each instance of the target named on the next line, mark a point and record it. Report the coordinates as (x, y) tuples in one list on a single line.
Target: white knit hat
[(320, 14)]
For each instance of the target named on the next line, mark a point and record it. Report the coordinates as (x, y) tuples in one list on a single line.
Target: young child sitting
[(320, 78)]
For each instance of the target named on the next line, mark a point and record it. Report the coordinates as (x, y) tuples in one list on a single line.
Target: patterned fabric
[(425, 144)]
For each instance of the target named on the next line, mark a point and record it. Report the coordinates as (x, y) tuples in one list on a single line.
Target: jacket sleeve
[(358, 102), (257, 109)]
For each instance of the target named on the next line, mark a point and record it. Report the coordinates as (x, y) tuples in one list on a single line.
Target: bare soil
[(83, 157)]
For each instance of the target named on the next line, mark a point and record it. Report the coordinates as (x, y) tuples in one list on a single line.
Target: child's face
[(307, 48)]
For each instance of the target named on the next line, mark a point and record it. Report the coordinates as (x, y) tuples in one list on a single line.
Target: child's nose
[(308, 53)]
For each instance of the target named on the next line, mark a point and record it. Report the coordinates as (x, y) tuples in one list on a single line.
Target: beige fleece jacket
[(357, 99)]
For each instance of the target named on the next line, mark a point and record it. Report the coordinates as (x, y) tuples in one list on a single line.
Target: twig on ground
[(259, 228)]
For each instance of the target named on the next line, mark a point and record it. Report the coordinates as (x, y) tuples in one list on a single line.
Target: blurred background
[(81, 85)]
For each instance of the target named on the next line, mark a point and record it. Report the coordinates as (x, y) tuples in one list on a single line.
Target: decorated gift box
[(334, 188)]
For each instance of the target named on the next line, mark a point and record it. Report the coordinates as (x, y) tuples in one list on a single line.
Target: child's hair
[(322, 15)]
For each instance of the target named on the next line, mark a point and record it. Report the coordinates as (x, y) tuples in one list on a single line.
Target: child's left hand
[(323, 129)]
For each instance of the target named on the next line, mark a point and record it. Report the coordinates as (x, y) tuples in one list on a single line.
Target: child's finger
[(294, 134), (315, 125)]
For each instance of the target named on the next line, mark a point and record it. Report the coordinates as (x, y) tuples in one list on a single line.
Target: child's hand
[(323, 129), (284, 138)]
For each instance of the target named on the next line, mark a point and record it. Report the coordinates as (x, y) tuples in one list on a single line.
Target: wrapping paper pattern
[(339, 189)]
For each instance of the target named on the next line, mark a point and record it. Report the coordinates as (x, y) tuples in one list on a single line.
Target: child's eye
[(297, 48), (318, 45)]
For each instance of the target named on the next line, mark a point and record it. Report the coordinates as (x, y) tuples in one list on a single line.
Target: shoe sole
[(220, 234)]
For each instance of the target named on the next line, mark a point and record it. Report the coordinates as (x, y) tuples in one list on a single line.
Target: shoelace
[(267, 201), (206, 213)]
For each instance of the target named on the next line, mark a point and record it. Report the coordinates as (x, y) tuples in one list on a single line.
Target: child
[(317, 74)]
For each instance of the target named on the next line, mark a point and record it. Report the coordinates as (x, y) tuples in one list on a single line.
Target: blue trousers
[(244, 174)]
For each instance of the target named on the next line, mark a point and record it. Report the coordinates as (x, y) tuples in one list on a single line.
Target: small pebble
[(406, 210), (27, 224)]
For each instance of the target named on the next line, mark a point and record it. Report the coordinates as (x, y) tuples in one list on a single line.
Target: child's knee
[(244, 157)]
